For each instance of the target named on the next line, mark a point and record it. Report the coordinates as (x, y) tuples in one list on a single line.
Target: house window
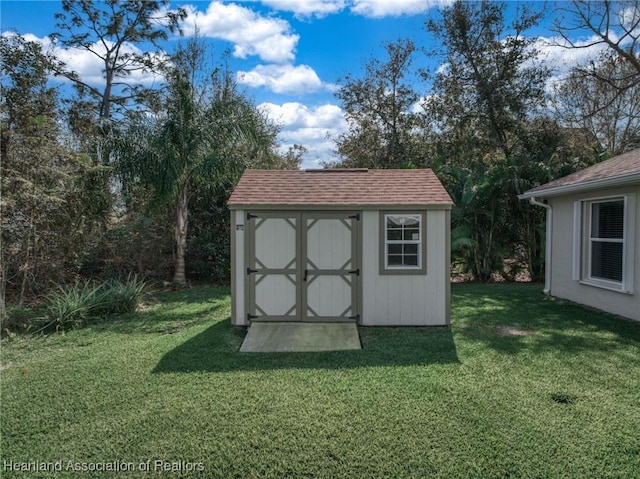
[(606, 241), (403, 243), (605, 249)]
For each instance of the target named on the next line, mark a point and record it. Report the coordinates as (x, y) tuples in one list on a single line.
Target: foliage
[(134, 242), (519, 383), (107, 30), (494, 141), (73, 306), (614, 25), (47, 215), (378, 109), (197, 145), (72, 207), (604, 102), (111, 32), (492, 80), (119, 297), (601, 94), (209, 256)]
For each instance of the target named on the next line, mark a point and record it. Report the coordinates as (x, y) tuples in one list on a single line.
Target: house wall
[(406, 300), (562, 283)]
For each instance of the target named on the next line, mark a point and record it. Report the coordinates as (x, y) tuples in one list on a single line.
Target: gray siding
[(562, 283), (406, 300), (238, 274)]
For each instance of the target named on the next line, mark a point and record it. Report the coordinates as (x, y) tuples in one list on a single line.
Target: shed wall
[(406, 300), (562, 283), (238, 267), (387, 300)]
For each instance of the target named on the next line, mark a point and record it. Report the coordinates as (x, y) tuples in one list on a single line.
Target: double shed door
[(303, 266)]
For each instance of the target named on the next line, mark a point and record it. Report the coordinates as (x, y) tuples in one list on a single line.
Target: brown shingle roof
[(338, 187), (623, 166)]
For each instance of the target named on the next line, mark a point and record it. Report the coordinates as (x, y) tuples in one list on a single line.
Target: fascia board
[(616, 181)]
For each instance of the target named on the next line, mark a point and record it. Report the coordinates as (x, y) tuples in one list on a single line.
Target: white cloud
[(560, 59), (307, 8), (311, 127), (267, 37), (89, 66), (284, 79), (394, 8)]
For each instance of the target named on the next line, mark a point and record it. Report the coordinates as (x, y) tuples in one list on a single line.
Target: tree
[(604, 104), (491, 79), (379, 110), (44, 216), (198, 145), (107, 30), (485, 105), (613, 24), (111, 31), (601, 93)]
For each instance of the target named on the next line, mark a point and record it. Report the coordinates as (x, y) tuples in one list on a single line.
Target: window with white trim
[(403, 241), (606, 240), (605, 248)]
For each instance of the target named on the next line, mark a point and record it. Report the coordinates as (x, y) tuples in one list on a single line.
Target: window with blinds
[(606, 239)]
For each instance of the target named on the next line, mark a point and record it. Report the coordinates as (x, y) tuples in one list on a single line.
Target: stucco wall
[(562, 284), (406, 300)]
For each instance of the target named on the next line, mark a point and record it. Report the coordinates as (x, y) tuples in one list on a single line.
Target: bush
[(70, 306), (118, 297), (21, 319), (73, 306)]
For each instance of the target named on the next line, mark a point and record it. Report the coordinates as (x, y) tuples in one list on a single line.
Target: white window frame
[(583, 243), (419, 242)]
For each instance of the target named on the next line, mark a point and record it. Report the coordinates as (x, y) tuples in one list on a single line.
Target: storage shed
[(370, 246)]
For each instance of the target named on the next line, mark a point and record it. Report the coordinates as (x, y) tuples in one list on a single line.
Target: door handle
[(306, 272)]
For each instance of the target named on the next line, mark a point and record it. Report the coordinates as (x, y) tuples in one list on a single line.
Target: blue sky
[(289, 54)]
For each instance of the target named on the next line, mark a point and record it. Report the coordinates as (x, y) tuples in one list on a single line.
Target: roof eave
[(600, 183), (341, 206)]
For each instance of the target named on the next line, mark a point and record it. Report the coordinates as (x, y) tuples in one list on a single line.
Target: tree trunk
[(3, 290), (182, 222)]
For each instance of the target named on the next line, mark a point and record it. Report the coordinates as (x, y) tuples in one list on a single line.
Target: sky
[(290, 55)]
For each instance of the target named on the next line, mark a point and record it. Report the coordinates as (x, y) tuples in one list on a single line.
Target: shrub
[(119, 297), (21, 319), (70, 306), (73, 306)]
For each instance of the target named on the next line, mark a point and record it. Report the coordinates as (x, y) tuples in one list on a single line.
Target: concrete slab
[(274, 337)]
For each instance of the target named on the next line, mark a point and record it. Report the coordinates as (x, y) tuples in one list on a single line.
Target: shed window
[(403, 241), (605, 252)]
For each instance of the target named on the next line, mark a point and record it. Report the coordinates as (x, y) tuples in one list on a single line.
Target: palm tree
[(206, 135)]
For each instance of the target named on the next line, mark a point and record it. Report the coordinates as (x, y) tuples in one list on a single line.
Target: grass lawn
[(520, 386)]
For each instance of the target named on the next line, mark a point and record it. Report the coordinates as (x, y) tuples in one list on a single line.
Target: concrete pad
[(268, 337)]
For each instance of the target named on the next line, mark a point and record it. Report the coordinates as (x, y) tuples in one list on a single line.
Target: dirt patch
[(5, 366), (513, 331)]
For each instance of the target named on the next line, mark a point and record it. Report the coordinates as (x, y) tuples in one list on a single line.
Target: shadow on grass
[(180, 310), (216, 349), (550, 324)]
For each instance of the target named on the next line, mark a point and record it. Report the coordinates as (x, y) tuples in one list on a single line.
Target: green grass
[(169, 384)]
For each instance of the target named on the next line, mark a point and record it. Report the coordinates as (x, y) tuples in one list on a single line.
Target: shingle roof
[(606, 173), (339, 187)]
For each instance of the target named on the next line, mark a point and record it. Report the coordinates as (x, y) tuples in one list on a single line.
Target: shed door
[(273, 269), (303, 266), (330, 268)]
